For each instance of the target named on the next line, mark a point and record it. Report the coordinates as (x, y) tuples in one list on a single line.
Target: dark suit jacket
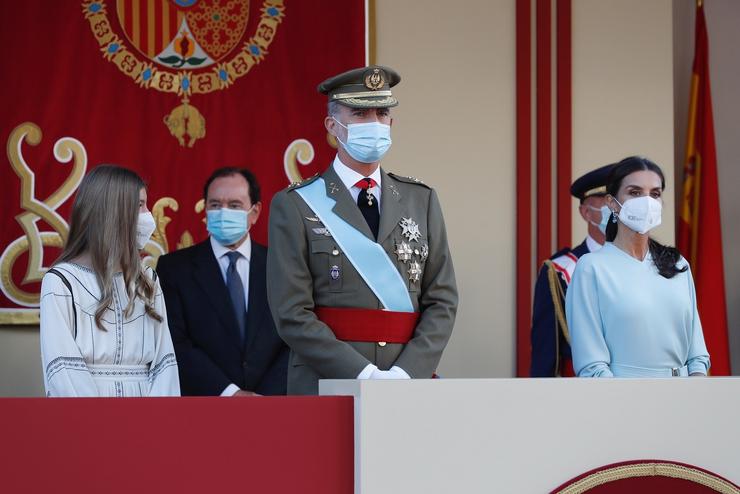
[(204, 328)]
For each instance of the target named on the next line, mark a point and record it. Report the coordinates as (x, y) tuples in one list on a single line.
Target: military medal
[(334, 272), (414, 271), (403, 251), (322, 231), (424, 252), (410, 229), (309, 218)]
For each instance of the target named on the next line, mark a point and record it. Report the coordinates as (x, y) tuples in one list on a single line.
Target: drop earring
[(614, 217)]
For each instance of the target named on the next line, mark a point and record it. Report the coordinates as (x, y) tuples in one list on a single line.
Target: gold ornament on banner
[(34, 210), (301, 151), (190, 59)]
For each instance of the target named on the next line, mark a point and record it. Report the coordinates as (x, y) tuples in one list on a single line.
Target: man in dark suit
[(550, 337), (215, 292)]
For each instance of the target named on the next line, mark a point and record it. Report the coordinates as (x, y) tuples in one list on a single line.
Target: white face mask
[(145, 226), (640, 214)]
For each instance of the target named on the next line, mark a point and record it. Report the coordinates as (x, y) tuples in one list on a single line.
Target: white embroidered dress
[(134, 357)]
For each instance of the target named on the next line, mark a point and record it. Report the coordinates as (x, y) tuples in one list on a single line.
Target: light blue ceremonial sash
[(368, 257)]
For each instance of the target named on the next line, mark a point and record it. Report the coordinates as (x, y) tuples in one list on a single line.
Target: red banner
[(699, 225), (170, 88)]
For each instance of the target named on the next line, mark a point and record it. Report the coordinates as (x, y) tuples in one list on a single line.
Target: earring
[(614, 217)]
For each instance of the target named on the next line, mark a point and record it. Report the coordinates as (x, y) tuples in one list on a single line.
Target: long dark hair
[(664, 257)]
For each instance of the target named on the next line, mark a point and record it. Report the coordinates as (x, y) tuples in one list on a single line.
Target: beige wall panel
[(20, 362), (623, 91), (455, 129)]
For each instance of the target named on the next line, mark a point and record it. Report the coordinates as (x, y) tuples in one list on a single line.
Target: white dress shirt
[(349, 178), (592, 244), (242, 267)]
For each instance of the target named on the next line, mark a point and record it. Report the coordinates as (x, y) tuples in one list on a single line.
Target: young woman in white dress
[(103, 321), (631, 306)]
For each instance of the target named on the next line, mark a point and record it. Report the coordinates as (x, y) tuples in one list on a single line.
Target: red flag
[(699, 226)]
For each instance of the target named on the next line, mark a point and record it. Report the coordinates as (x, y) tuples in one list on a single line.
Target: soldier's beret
[(365, 87), (592, 183)]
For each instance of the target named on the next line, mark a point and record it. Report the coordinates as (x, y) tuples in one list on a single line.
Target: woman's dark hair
[(664, 257)]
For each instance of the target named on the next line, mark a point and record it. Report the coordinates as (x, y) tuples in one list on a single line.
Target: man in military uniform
[(360, 278), (550, 337)]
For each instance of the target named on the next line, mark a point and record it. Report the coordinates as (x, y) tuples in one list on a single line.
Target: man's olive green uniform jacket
[(306, 268)]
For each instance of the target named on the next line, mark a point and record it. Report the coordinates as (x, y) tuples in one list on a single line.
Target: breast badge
[(335, 272), (410, 229), (403, 252)]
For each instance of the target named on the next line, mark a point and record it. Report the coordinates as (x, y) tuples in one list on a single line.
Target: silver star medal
[(403, 251), (414, 271), (410, 229)]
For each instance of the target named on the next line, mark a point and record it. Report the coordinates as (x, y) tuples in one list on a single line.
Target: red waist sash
[(372, 325)]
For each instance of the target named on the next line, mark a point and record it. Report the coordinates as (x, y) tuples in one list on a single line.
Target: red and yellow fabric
[(699, 225), (170, 88)]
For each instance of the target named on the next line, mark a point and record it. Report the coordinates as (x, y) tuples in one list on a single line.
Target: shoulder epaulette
[(408, 180), (305, 181), (561, 252), (565, 264)]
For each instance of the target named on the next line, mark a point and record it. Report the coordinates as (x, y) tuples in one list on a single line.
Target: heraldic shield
[(185, 47)]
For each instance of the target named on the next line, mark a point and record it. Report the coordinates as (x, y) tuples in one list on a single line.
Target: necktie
[(236, 293), (368, 204)]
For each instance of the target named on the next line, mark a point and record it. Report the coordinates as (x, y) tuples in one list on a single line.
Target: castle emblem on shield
[(184, 47)]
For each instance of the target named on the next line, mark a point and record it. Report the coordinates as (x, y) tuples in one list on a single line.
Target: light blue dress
[(626, 320)]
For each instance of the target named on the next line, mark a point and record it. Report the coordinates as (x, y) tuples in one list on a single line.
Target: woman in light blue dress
[(631, 306)]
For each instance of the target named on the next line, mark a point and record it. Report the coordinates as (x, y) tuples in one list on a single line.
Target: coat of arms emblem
[(183, 47)]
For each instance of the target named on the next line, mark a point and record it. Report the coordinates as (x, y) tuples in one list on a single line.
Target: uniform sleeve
[(591, 357), (437, 304), (544, 328), (200, 374), (163, 375), (698, 357), (290, 296), (65, 371)]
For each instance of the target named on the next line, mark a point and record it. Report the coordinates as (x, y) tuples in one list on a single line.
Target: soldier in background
[(550, 337)]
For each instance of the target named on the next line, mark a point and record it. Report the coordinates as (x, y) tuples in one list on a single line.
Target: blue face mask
[(227, 226), (605, 214), (367, 142)]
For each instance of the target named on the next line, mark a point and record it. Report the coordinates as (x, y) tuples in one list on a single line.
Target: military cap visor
[(592, 183), (365, 87)]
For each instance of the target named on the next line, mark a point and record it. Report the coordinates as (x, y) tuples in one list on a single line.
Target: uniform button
[(381, 343), (335, 252)]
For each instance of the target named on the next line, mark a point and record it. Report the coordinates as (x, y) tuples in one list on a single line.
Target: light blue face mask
[(367, 142), (227, 226), (605, 214)]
